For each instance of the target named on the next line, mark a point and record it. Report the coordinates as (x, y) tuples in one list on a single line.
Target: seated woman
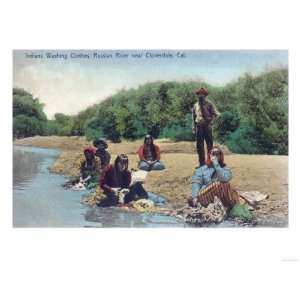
[(89, 168), (101, 152), (149, 155), (212, 179), (115, 182)]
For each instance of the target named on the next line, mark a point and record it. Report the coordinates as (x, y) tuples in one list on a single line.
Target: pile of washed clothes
[(216, 212), (96, 196)]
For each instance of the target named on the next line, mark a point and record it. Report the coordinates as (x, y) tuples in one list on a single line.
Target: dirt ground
[(264, 173)]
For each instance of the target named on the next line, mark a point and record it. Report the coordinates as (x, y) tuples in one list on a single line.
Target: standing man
[(204, 113)]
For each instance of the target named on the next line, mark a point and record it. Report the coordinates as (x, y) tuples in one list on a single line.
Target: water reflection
[(26, 166), (40, 201), (116, 217), (38, 198)]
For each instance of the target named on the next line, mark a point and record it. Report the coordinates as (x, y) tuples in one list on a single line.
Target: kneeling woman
[(212, 179), (116, 184), (89, 169), (149, 155)]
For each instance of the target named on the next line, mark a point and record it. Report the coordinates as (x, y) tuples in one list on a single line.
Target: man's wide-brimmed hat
[(97, 142), (202, 91)]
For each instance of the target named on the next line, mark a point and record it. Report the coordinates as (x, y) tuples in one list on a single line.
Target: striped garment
[(222, 190)]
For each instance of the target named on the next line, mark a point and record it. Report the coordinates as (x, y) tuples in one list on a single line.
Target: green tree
[(24, 126), (29, 118), (81, 118), (93, 129), (104, 124), (64, 124)]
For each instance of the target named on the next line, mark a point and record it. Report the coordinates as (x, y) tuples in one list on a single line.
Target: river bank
[(39, 200), (265, 173)]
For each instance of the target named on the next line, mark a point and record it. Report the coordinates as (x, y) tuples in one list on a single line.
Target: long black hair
[(121, 158), (121, 176), (152, 148)]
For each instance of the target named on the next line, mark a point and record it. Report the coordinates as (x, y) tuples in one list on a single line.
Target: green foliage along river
[(254, 113)]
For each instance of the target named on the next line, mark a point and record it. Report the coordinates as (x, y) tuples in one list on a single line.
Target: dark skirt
[(136, 192)]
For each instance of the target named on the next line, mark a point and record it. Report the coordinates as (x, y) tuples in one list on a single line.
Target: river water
[(39, 200)]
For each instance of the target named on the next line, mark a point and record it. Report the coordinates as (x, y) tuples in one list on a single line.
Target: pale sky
[(70, 84)]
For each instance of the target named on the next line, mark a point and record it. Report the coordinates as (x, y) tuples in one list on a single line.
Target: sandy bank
[(265, 173)]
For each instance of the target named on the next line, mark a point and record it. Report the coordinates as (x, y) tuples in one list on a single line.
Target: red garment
[(142, 155), (89, 149), (109, 178)]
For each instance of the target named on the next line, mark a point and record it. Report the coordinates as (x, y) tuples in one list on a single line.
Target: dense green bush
[(243, 140), (52, 127), (28, 116), (103, 124), (93, 129), (79, 121), (24, 126), (179, 132), (225, 124), (63, 124)]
